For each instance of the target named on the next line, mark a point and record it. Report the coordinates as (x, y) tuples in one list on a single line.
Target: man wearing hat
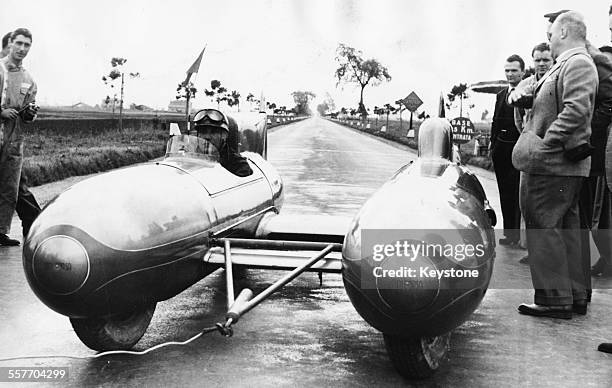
[(222, 132), (553, 152), (595, 201)]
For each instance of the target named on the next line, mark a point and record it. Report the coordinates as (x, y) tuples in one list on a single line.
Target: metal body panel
[(133, 208), (144, 230), (448, 198)]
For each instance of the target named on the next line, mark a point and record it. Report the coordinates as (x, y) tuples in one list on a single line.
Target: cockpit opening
[(213, 136)]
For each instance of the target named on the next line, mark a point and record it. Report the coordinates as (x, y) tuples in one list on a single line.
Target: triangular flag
[(441, 110), (195, 67)]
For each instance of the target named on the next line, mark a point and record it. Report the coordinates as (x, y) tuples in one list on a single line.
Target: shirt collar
[(568, 53), (10, 66)]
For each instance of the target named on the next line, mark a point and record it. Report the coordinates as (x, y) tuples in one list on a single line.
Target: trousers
[(11, 160), (508, 185), (550, 208)]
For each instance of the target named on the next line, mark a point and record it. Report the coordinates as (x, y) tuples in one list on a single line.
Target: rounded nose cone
[(407, 291), (60, 265)]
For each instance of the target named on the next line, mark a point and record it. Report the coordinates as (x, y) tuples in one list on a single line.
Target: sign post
[(412, 103)]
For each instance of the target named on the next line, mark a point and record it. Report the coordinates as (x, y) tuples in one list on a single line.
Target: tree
[(378, 112), (331, 105), (302, 101), (327, 106), (423, 115), (233, 99), (251, 99), (353, 68), (461, 92), (388, 108), (108, 100), (322, 108), (116, 72), (281, 110), (186, 91), (400, 108), (217, 92)]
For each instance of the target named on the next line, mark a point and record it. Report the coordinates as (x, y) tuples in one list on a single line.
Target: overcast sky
[(278, 46)]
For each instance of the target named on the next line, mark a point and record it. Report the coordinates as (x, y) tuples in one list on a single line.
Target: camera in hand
[(28, 112)]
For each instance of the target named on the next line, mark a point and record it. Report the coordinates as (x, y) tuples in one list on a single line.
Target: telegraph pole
[(121, 106)]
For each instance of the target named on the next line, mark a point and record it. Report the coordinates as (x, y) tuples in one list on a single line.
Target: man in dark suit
[(504, 135), (553, 151)]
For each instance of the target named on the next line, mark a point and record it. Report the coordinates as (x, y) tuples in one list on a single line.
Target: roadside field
[(398, 131), (64, 143), (59, 113)]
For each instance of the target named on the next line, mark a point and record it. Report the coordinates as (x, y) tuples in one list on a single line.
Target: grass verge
[(54, 152), (399, 136)]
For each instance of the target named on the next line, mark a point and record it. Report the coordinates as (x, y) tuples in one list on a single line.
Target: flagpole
[(192, 69), (187, 108)]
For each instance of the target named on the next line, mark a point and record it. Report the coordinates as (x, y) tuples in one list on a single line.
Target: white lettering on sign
[(463, 130)]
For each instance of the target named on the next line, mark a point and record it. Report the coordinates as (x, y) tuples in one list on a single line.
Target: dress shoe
[(538, 310), (7, 241), (605, 347), (524, 260), (580, 307), (507, 241), (601, 269)]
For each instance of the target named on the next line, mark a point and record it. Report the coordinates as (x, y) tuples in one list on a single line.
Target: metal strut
[(245, 301)]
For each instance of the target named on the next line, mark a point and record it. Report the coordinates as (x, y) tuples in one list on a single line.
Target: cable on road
[(129, 352)]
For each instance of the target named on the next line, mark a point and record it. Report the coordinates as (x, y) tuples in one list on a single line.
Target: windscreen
[(191, 146)]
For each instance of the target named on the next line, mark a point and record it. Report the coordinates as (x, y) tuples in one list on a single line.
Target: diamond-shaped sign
[(412, 102)]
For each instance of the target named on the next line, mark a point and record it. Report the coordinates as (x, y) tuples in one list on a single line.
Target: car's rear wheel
[(120, 332), (417, 358)]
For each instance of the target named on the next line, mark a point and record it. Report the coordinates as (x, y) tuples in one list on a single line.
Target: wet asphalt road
[(307, 335)]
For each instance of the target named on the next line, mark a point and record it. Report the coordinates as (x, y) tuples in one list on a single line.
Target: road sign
[(463, 130), (412, 102)]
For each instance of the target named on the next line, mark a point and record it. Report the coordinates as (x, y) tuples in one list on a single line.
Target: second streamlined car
[(108, 249)]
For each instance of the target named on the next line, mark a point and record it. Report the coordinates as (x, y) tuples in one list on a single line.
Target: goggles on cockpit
[(211, 117)]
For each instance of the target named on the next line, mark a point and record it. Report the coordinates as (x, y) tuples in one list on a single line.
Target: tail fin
[(441, 110)]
